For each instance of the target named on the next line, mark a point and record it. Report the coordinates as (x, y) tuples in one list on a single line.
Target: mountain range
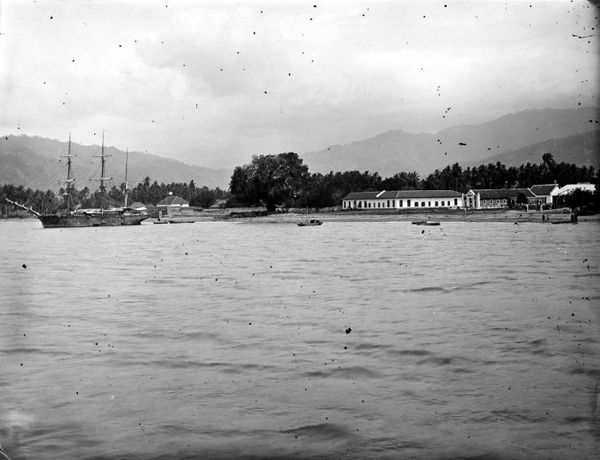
[(571, 135), (36, 162), (519, 137)]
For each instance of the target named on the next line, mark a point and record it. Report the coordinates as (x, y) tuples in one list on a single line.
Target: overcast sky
[(214, 82)]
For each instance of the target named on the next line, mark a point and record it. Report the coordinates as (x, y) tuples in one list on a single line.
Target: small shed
[(172, 205), (173, 201)]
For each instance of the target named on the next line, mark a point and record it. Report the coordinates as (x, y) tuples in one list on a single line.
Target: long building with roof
[(403, 199), (494, 198), (547, 191)]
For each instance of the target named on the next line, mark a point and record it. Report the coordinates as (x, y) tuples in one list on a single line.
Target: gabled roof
[(543, 189), (361, 196), (137, 205), (420, 194), (404, 194), (501, 193), (172, 200)]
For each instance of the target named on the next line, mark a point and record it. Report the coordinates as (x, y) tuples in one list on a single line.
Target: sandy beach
[(259, 215), (516, 216)]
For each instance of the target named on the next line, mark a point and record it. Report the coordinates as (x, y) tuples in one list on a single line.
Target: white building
[(545, 191), (173, 202), (497, 198), (570, 188), (172, 205), (403, 199)]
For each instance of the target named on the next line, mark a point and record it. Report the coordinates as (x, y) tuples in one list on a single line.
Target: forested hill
[(33, 162), (394, 151), (580, 149)]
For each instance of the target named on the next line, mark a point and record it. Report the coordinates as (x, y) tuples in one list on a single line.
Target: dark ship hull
[(82, 219)]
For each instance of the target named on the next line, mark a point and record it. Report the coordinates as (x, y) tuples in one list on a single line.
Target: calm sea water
[(349, 340)]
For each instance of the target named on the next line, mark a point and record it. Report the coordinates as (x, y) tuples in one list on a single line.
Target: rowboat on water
[(425, 222), (310, 223)]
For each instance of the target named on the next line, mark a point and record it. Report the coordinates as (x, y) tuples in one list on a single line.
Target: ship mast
[(102, 179), (70, 180), (126, 186)]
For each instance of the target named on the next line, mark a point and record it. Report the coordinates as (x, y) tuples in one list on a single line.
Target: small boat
[(309, 223), (174, 220), (425, 222)]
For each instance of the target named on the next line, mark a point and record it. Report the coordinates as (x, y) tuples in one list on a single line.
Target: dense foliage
[(270, 180), (497, 175), (152, 193), (40, 201), (145, 192)]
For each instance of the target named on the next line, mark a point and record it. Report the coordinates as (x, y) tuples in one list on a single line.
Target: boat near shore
[(310, 223), (425, 222), (90, 217), (174, 220)]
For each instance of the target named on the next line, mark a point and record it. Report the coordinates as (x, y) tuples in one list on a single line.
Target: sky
[(212, 83)]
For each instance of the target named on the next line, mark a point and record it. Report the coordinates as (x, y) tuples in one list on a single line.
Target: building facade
[(172, 205), (492, 198), (546, 191), (173, 201), (403, 199)]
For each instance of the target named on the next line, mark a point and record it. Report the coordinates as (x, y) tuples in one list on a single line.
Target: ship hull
[(84, 220)]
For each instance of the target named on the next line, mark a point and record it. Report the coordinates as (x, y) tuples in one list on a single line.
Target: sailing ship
[(94, 217)]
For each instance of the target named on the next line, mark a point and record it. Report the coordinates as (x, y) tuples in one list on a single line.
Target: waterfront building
[(498, 198), (570, 188), (172, 205), (403, 199), (546, 191)]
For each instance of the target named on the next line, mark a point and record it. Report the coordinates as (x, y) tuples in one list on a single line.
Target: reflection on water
[(221, 340)]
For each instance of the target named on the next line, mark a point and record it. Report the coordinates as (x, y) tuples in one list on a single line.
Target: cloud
[(216, 82)]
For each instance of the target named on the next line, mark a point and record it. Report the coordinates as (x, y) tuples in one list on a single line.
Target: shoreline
[(261, 216), (512, 216)]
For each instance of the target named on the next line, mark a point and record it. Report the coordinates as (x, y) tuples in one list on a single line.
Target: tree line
[(283, 179), (146, 192)]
